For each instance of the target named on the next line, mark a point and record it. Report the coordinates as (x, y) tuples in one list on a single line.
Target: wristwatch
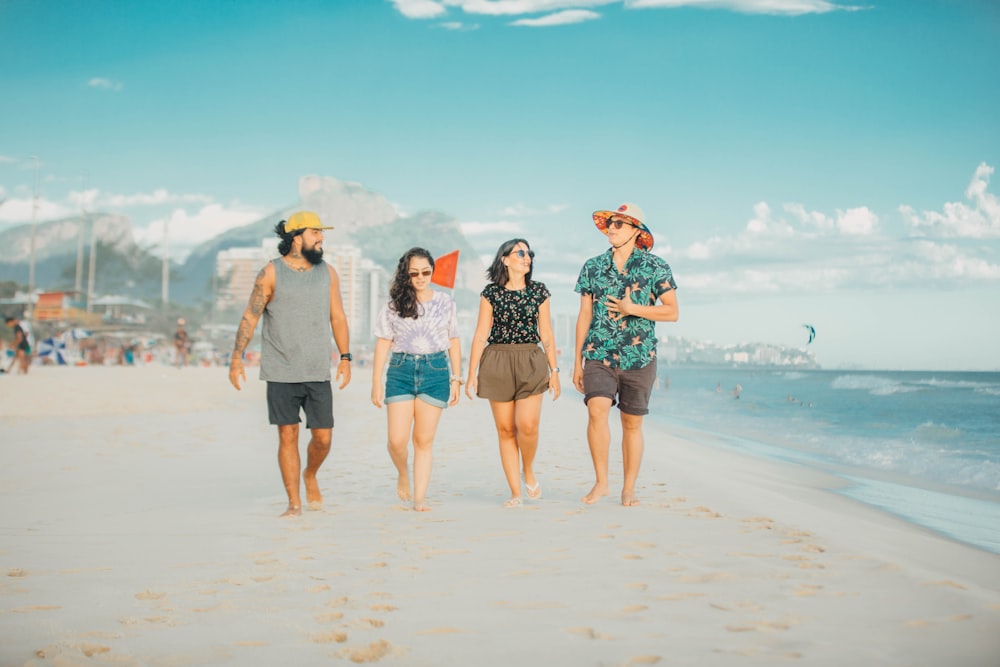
[(455, 378), (346, 356), (554, 370)]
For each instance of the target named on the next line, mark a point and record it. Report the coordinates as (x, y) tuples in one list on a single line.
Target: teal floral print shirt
[(626, 342)]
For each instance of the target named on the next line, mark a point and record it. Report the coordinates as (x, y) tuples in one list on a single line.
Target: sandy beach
[(139, 526)]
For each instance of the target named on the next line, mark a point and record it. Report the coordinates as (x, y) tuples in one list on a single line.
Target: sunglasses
[(522, 253), (618, 224), (426, 273)]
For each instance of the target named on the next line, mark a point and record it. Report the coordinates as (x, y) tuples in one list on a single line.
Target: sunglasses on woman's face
[(426, 273), (618, 224), (522, 253)]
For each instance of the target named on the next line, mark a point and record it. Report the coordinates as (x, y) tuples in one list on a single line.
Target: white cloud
[(419, 9), (857, 221), (567, 17), (20, 210), (561, 12), (980, 219), (522, 211), (186, 230), (795, 250), (789, 7), (105, 84), (480, 228), (158, 197), (4, 159)]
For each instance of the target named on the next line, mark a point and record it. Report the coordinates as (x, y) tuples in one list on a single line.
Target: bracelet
[(460, 381), (346, 356), (554, 370)]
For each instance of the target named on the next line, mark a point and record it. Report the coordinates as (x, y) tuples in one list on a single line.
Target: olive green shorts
[(512, 372)]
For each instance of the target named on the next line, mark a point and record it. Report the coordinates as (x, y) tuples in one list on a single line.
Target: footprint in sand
[(371, 622), (330, 638), (590, 633), (760, 626), (643, 660), (17, 572), (441, 631), (328, 617), (382, 607), (633, 608), (371, 653), (150, 595)]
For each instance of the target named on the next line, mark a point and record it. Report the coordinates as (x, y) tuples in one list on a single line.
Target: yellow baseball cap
[(303, 220)]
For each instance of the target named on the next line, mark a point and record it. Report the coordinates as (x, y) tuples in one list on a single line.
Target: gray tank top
[(297, 342)]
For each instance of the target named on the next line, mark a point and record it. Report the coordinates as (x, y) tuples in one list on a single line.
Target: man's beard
[(313, 255)]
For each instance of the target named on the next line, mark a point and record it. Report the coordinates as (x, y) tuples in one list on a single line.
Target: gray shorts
[(629, 389), (286, 399)]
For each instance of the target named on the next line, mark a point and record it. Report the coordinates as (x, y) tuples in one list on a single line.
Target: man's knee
[(321, 438)]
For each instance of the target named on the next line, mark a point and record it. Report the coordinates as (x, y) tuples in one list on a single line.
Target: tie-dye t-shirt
[(432, 331)]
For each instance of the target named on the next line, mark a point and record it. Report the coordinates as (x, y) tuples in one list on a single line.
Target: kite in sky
[(812, 333)]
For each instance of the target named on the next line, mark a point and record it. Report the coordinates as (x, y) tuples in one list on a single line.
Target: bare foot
[(596, 493), (421, 507), (629, 499), (403, 488), (315, 506), (313, 496), (514, 501), (293, 510)]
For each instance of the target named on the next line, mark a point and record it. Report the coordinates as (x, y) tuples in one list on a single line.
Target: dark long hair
[(497, 273), (402, 296), (285, 245)]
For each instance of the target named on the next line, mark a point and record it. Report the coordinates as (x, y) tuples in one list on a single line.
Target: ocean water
[(922, 445)]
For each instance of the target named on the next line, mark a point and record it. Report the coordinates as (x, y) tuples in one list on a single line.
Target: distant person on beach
[(22, 346), (419, 327), (298, 295), (181, 344), (507, 366), (616, 339)]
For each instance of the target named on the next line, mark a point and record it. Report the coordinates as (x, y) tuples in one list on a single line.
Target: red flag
[(445, 268)]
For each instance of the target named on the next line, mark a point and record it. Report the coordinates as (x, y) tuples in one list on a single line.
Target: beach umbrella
[(54, 349)]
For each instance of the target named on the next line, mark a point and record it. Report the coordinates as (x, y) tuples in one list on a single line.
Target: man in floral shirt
[(616, 339)]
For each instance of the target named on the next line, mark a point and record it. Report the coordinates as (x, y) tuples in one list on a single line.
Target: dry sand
[(138, 526)]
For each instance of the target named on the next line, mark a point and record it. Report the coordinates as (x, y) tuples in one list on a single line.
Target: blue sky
[(798, 160)]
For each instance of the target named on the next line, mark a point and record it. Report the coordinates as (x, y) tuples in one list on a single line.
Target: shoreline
[(138, 525)]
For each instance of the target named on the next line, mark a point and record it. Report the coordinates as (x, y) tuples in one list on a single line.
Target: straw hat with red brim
[(631, 214)]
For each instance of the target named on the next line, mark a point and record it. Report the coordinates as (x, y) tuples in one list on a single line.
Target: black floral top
[(627, 342), (515, 312)]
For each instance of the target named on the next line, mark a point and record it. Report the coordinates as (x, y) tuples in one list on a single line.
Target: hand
[(471, 385), (236, 372), (456, 389), (554, 386), (378, 394), (578, 378), (622, 306), (344, 372)]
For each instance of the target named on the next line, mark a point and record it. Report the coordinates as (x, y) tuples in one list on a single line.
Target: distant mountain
[(360, 217), (121, 265)]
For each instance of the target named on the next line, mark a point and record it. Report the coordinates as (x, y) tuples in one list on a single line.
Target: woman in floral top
[(420, 328), (506, 365)]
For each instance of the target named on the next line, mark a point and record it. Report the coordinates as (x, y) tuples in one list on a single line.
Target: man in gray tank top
[(298, 295)]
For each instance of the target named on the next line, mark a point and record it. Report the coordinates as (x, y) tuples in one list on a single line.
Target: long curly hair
[(497, 273), (402, 295)]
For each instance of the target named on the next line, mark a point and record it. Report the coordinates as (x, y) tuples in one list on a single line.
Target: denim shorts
[(423, 376)]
